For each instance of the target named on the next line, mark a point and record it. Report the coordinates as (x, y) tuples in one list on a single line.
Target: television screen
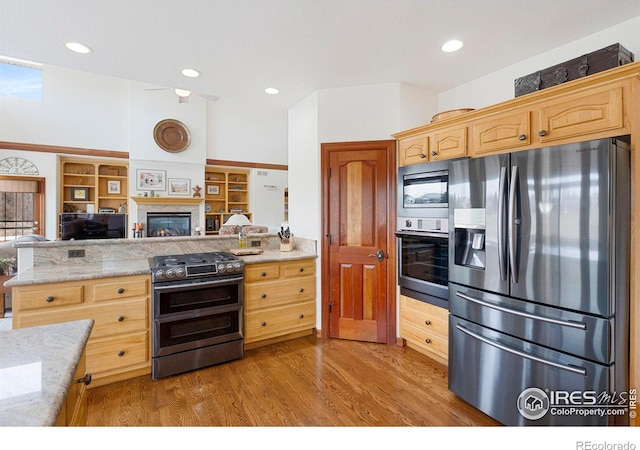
[(92, 226)]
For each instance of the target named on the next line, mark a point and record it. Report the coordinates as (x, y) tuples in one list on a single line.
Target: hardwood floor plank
[(302, 382)]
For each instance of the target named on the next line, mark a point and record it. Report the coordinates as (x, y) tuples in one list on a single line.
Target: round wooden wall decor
[(171, 135)]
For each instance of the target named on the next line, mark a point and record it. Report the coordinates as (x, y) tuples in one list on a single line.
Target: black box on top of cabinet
[(606, 58)]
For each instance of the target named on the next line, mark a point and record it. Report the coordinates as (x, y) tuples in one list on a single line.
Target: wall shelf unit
[(226, 193)]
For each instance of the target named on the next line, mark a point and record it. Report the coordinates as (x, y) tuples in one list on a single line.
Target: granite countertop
[(57, 273), (37, 367)]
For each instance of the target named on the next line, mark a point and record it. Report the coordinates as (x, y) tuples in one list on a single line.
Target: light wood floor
[(304, 382)]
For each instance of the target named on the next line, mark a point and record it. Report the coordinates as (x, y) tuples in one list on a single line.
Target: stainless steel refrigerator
[(538, 284)]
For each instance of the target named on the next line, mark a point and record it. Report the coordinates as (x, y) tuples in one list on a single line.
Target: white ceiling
[(298, 46)]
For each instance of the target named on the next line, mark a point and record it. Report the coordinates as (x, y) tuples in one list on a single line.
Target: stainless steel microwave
[(423, 190)]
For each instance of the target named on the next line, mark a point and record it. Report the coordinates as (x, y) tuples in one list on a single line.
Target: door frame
[(390, 147)]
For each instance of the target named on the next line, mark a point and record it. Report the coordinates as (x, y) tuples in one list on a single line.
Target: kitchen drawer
[(134, 315), (425, 339), (51, 296), (300, 268), (261, 272), (278, 321), (115, 354), (123, 287), (424, 316), (265, 295)]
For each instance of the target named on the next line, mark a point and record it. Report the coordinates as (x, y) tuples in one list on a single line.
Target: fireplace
[(168, 224)]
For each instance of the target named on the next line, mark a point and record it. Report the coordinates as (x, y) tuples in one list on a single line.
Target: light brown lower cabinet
[(119, 345), (279, 301), (425, 328), (74, 410)]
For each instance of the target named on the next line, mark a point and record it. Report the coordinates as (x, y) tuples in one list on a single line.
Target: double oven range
[(197, 311), (423, 232)]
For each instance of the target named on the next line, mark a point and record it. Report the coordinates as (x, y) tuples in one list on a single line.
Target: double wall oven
[(423, 232)]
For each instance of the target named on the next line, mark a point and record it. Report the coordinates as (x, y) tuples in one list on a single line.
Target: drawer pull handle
[(301, 289), (85, 379), (264, 324), (264, 295), (264, 274), (302, 316), (49, 299), (301, 269), (427, 322), (120, 290), (121, 353), (120, 318), (428, 341)]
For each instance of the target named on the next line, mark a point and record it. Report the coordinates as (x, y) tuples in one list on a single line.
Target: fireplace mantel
[(167, 200)]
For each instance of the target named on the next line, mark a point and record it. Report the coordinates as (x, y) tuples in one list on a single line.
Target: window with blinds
[(18, 212)]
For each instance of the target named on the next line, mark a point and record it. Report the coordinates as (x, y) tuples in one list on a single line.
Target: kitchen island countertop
[(37, 366), (57, 273)]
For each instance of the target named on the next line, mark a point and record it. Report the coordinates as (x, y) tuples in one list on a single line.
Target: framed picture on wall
[(179, 186), (79, 194), (151, 180), (113, 186), (213, 190)]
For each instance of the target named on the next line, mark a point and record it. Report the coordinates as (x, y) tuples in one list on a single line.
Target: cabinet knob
[(264, 274), (542, 133), (522, 137), (120, 290), (302, 316), (120, 318), (49, 299), (301, 289), (433, 153), (427, 322), (86, 379), (264, 324), (264, 295), (428, 341), (301, 269), (121, 353)]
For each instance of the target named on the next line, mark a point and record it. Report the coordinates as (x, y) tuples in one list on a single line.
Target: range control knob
[(180, 272), (237, 266), (407, 223), (229, 267), (221, 268), (171, 273), (160, 275)]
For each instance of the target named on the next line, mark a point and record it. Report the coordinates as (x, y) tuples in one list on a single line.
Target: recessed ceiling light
[(191, 73), (182, 92), (272, 91), (77, 47), (452, 46)]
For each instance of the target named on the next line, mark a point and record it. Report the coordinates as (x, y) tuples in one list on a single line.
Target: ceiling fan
[(184, 94)]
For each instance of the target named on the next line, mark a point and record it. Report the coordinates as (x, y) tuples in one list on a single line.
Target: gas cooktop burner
[(177, 267)]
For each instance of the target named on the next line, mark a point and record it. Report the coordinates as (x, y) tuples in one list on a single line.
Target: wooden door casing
[(358, 300)]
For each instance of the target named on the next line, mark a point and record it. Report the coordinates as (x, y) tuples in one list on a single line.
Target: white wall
[(499, 86)]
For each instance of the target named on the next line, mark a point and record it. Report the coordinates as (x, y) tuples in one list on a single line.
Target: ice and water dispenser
[(469, 246)]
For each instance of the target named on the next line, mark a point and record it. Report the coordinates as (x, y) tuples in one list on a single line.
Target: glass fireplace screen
[(168, 224)]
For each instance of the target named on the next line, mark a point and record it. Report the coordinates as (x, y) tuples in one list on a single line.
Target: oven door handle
[(564, 323), (174, 286), (422, 234), (573, 369)]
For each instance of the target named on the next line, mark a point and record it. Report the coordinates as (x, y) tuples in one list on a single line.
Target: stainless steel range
[(197, 311)]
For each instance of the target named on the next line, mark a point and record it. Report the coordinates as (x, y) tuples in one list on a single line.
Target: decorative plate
[(207, 207), (171, 135)]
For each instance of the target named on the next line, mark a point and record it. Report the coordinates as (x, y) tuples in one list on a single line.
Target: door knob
[(380, 255)]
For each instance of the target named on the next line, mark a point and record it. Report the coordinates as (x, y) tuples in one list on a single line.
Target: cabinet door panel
[(449, 143), (501, 132), (413, 150)]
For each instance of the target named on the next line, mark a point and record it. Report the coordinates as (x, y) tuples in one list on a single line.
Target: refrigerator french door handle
[(564, 323), (502, 245), (573, 369), (513, 188)]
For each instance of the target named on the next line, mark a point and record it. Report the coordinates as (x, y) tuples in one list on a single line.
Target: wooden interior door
[(358, 213)]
